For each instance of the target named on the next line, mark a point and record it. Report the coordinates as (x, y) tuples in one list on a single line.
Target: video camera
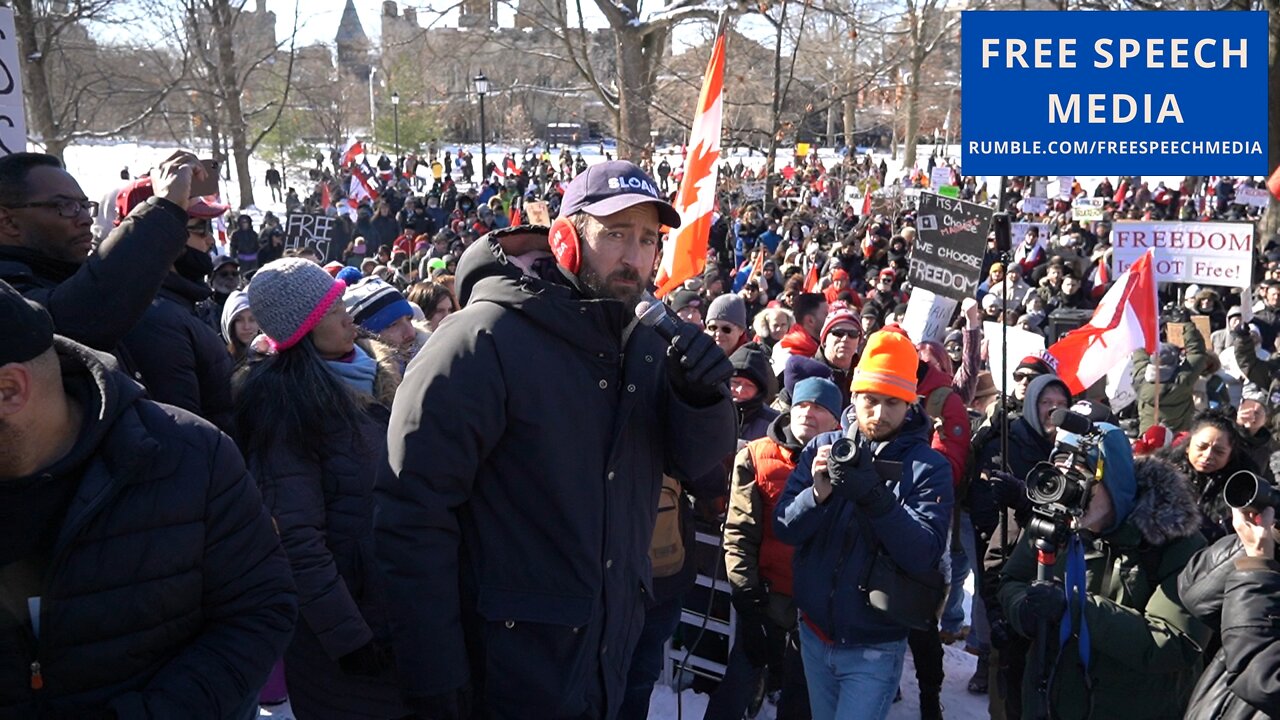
[(1060, 488), (1244, 489)]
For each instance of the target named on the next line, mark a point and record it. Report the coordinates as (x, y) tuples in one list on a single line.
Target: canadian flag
[(685, 253), (1126, 320), (353, 150), (359, 189), (866, 202)]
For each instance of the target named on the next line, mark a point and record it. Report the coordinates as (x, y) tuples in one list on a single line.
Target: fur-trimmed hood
[(390, 368), (1165, 508)]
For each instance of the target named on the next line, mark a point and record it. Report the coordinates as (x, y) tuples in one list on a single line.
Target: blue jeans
[(979, 639), (660, 623), (953, 611), (851, 683)]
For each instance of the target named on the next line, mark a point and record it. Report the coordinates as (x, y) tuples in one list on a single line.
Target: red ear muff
[(564, 245)]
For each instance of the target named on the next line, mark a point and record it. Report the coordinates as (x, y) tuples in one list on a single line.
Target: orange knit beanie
[(888, 365)]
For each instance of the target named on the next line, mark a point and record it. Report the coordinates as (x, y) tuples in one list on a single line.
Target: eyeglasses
[(843, 333), (726, 329), (227, 273), (1024, 377), (66, 208), (200, 230)]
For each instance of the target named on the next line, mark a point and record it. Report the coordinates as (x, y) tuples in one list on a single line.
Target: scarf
[(357, 370)]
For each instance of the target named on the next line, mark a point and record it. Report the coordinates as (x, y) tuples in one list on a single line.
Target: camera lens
[(843, 451), (1046, 487)]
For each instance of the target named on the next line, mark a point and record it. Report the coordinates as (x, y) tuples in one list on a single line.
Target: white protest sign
[(927, 316), (1041, 188), (1188, 252), (1120, 392), (1087, 209), (1035, 205), (1256, 197), (940, 176), (13, 123), (1021, 344), (1061, 187), (754, 190), (1018, 231)]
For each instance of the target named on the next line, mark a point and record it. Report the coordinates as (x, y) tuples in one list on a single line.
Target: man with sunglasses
[(46, 246), (840, 347), (181, 359)]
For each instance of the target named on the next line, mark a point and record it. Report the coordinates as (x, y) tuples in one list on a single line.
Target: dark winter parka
[(96, 303), (1145, 646), (182, 360), (167, 595), (526, 447), (1240, 598)]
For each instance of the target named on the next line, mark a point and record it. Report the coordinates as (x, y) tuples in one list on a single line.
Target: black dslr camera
[(1060, 488)]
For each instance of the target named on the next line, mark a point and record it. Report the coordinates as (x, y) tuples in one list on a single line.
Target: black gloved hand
[(699, 374), (1176, 314), (1000, 634), (452, 705), (1009, 491), (1043, 601), (368, 660), (858, 481), (754, 627)]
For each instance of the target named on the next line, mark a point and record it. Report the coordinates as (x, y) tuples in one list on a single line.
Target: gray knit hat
[(289, 297), (728, 308)]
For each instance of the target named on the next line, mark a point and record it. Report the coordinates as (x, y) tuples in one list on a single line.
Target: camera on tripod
[(1060, 488)]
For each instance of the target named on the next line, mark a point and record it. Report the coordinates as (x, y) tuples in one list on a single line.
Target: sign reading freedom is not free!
[(1114, 93), (950, 242), (1188, 252)]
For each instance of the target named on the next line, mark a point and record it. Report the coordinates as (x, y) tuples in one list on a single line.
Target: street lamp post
[(395, 115), (373, 117), (482, 89)]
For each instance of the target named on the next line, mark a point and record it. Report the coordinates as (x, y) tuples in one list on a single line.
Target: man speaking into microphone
[(526, 452)]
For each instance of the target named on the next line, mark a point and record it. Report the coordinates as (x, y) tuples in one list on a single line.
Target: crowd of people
[(439, 468)]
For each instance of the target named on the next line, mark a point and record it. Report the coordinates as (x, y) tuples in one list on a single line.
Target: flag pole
[(1156, 414)]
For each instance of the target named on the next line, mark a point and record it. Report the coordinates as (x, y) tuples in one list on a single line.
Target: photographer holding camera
[(1234, 586), (1115, 533), (875, 497)]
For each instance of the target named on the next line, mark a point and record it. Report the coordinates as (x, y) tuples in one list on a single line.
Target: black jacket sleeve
[(249, 606), (109, 293), (1250, 604)]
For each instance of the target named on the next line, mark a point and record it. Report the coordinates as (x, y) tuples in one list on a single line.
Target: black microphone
[(1074, 423), (654, 314)]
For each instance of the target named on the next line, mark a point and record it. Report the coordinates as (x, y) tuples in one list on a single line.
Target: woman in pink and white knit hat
[(314, 436)]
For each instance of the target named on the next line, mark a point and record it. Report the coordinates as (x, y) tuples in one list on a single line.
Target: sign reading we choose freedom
[(1114, 93)]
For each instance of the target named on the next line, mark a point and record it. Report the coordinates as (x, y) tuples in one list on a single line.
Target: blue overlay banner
[(1114, 93)]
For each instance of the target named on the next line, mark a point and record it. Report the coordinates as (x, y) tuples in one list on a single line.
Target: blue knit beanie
[(821, 391), (374, 304)]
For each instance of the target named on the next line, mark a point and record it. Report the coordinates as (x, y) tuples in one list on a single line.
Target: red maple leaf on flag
[(699, 166)]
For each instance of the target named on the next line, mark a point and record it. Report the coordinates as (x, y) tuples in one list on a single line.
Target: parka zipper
[(37, 679)]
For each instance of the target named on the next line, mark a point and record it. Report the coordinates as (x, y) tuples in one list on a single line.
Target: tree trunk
[(775, 114), (636, 89), (35, 82), (913, 111), (223, 23)]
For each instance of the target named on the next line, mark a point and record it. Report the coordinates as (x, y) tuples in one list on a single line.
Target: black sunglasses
[(843, 333)]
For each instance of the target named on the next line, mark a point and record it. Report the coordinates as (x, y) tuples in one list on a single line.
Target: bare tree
[(75, 88), (230, 67)]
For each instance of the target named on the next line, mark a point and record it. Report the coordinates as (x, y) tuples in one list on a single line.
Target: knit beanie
[(289, 297), (728, 308), (846, 317), (237, 302), (798, 368), (821, 391), (888, 365), (374, 304), (350, 275)]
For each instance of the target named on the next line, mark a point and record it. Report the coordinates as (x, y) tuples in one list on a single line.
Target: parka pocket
[(538, 648)]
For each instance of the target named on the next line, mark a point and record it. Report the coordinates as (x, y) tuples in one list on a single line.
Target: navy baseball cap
[(609, 187)]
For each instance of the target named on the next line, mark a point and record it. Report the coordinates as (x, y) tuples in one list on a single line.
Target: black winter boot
[(930, 703)]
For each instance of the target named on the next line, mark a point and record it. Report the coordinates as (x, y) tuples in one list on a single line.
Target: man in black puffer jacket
[(46, 238), (527, 447), (1234, 587), (139, 573)]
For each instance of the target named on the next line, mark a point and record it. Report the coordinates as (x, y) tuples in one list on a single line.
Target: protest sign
[(1035, 205), (1256, 197), (950, 191), (927, 316), (1087, 209), (1021, 344), (951, 241), (1018, 231), (537, 213), (939, 177), (802, 149), (13, 123), (309, 229), (1060, 187), (1173, 331), (754, 190), (1124, 93), (1188, 252)]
